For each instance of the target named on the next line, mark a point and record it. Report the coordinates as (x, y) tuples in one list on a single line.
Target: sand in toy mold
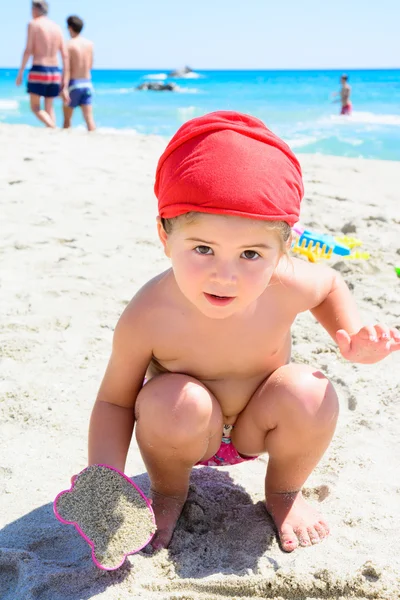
[(111, 513)]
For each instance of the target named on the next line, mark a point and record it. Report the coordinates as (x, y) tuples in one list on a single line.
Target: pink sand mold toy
[(298, 229), (110, 512)]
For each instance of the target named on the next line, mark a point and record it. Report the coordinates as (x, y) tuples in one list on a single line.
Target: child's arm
[(335, 308), (113, 417)]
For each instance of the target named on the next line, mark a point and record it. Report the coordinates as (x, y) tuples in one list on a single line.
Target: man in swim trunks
[(45, 79), (345, 96), (80, 89)]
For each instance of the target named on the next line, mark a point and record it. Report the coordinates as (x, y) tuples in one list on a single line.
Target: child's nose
[(224, 273)]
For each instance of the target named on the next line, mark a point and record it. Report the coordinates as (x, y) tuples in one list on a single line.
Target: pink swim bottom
[(227, 453), (346, 110)]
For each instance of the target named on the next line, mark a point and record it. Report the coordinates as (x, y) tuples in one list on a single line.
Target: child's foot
[(167, 510), (298, 523)]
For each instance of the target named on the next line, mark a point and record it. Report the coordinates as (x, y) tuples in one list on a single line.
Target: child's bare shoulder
[(137, 325), (304, 282), (151, 297)]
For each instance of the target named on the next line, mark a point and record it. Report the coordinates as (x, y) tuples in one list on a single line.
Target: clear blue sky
[(218, 34)]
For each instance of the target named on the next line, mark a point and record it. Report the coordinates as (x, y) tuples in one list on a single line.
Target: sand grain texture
[(110, 512)]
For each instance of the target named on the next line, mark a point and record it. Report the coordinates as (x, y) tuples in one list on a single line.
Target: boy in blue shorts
[(80, 88)]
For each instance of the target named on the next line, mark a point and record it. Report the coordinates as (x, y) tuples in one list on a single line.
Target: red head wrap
[(229, 163)]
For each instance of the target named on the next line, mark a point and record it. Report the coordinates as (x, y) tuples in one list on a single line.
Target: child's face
[(222, 264)]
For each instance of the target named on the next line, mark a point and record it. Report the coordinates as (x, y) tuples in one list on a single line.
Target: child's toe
[(323, 528), (288, 538), (303, 535), (313, 535)]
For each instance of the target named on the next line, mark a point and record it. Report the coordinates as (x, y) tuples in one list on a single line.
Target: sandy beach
[(78, 239)]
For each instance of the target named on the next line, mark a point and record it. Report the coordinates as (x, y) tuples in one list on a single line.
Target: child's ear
[(163, 235)]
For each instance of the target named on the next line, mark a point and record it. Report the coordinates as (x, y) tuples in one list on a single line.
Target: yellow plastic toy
[(350, 242), (357, 256), (314, 252)]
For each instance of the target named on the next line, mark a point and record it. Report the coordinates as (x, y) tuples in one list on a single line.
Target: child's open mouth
[(219, 300)]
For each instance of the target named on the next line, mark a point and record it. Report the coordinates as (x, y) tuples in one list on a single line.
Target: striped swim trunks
[(44, 81)]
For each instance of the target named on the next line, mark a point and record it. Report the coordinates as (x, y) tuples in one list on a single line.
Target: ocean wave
[(186, 112), (303, 141), (8, 104), (308, 140), (350, 141), (112, 92), (157, 76), (366, 117), (192, 75), (183, 90)]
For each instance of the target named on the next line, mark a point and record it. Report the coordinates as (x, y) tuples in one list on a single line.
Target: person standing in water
[(344, 95), (44, 42), (80, 88)]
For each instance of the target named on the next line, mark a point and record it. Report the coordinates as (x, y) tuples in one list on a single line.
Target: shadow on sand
[(220, 530)]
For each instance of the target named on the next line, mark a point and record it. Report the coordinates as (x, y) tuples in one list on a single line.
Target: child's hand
[(370, 345)]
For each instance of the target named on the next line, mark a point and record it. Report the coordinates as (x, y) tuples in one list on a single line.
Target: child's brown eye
[(203, 249), (250, 254)]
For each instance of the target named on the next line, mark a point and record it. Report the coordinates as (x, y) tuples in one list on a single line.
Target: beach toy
[(324, 240), (357, 255), (110, 512), (298, 229), (313, 251), (397, 269), (348, 241)]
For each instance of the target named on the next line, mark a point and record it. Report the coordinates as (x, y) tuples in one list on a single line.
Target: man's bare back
[(80, 51), (46, 40)]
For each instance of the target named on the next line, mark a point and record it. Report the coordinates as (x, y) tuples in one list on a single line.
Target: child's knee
[(174, 406), (306, 394)]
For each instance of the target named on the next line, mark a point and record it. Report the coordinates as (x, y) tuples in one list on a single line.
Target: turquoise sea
[(297, 105)]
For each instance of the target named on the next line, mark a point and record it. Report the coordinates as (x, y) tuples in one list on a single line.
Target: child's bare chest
[(217, 350)]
